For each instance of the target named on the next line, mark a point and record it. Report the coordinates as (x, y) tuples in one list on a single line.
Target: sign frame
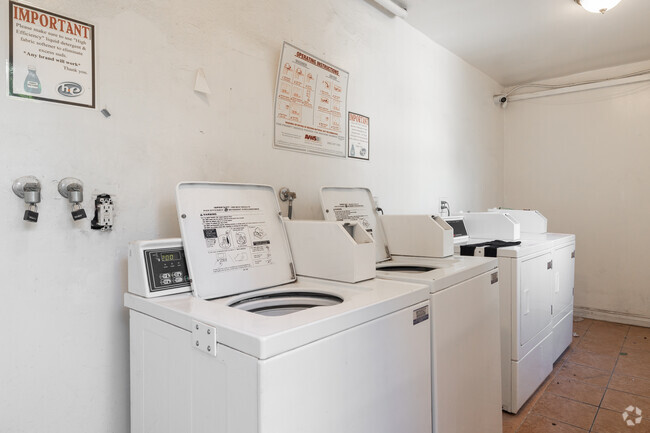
[(365, 141), (11, 65)]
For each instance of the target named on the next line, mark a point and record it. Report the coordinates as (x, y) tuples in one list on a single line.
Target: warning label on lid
[(354, 212), (237, 237)]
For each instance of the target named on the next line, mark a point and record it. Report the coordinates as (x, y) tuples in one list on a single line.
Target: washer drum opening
[(281, 304)]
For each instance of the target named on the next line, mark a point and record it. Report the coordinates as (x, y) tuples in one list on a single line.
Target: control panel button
[(177, 274), (178, 280), (165, 276), (166, 281)]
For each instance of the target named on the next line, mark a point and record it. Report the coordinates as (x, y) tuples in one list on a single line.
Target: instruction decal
[(236, 236), (310, 104), (358, 136), (354, 212), (51, 57)]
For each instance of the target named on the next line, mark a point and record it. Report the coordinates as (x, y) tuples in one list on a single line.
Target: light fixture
[(393, 8), (597, 6)]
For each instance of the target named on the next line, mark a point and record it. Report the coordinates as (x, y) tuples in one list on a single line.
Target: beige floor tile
[(601, 345), (581, 327), (575, 390), (609, 421), (585, 374), (605, 329), (539, 424), (512, 422), (633, 385), (594, 360), (637, 342), (634, 363), (618, 401), (636, 331), (565, 410)]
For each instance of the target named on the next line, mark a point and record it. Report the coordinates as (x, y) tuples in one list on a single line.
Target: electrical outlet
[(443, 206)]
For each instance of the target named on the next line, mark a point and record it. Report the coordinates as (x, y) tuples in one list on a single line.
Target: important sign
[(51, 57)]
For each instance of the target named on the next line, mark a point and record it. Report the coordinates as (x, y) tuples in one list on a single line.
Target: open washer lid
[(355, 204), (234, 238)]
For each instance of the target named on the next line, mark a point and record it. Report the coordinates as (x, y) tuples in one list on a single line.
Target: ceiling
[(521, 41)]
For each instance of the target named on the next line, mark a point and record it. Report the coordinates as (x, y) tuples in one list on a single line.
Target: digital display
[(168, 257)]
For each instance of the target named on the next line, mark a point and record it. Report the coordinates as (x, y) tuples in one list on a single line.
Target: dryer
[(536, 299), (464, 295), (254, 348)]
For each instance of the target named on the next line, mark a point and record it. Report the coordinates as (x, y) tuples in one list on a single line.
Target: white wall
[(582, 159), (63, 330)]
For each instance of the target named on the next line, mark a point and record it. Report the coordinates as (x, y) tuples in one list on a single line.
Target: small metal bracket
[(204, 338), (549, 265)]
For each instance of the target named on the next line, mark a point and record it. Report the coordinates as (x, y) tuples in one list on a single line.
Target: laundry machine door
[(564, 266), (535, 288)]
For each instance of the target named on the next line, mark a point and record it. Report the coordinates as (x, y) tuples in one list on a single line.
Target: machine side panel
[(375, 377), (224, 392), (466, 357), (160, 385), (508, 312), (177, 388)]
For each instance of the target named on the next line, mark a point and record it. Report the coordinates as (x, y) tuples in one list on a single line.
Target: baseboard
[(612, 316)]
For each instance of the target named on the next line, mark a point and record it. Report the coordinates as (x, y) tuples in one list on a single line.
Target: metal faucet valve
[(73, 190), (287, 195), (29, 189)]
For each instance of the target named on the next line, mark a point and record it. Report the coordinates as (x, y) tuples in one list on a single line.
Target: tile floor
[(604, 372)]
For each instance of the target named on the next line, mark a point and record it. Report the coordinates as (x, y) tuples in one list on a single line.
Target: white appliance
[(465, 369), (254, 348), (530, 220), (536, 302)]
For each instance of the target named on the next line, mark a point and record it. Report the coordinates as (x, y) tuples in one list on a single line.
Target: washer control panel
[(158, 268), (166, 269)]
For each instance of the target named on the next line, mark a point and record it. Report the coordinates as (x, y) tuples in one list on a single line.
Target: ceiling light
[(596, 6), (393, 8)]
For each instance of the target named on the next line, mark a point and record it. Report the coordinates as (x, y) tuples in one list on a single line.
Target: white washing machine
[(464, 295), (255, 349), (536, 300)]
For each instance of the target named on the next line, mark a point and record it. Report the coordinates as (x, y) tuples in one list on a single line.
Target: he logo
[(629, 416), (70, 89)]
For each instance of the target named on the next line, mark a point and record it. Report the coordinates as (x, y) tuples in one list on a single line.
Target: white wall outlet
[(442, 206)]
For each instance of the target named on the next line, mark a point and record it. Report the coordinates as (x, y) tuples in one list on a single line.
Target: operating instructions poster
[(51, 57), (310, 104)]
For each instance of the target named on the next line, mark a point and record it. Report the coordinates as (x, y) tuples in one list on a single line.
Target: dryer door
[(535, 287), (564, 265)]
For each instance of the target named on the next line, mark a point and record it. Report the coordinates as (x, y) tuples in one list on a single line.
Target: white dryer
[(256, 349), (536, 299), (464, 294)]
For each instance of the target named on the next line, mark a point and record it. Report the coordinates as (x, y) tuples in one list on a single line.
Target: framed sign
[(358, 136), (310, 102), (51, 57)]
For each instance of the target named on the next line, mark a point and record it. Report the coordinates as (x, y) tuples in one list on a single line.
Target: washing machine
[(536, 298), (226, 338), (464, 295)]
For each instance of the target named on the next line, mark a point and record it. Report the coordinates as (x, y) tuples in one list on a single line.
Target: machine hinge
[(293, 272), (204, 338), (551, 310), (549, 265), (494, 278), (573, 254)]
